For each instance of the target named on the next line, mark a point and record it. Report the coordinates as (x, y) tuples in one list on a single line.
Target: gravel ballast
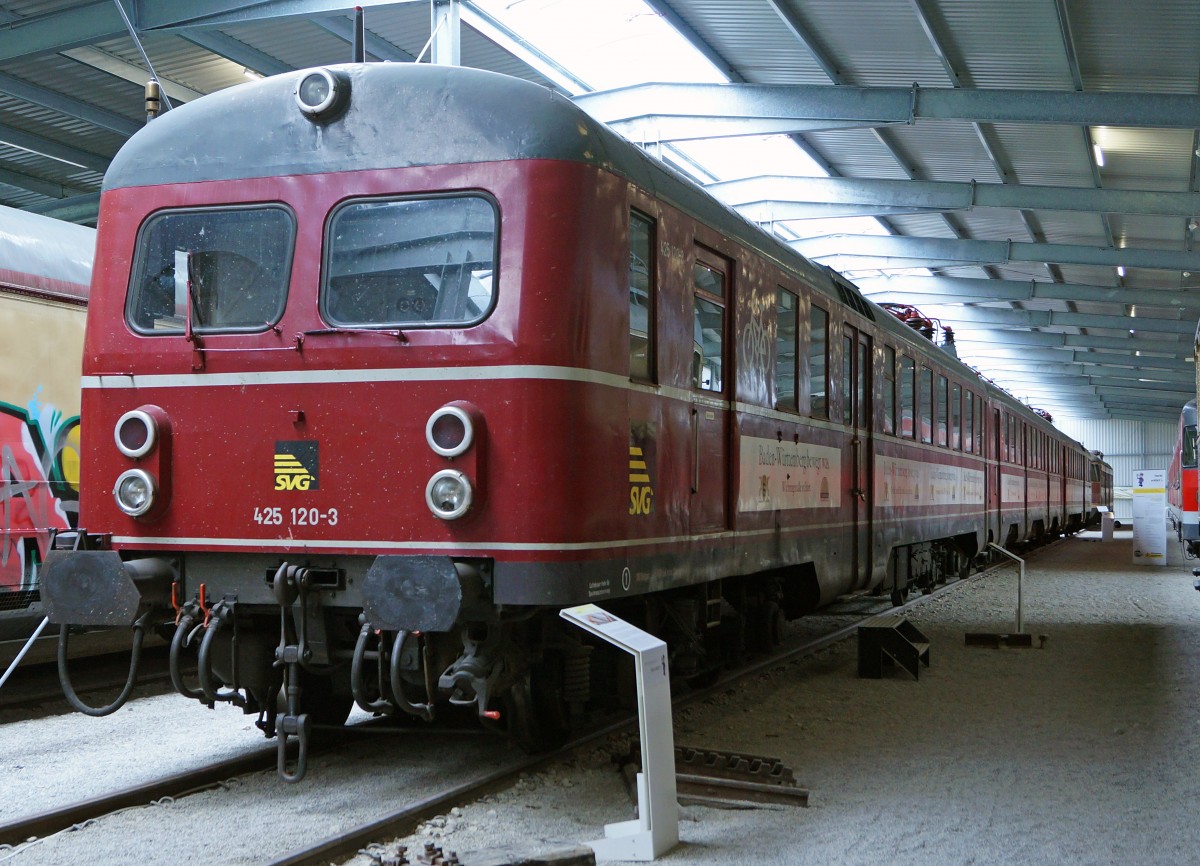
[(1080, 751)]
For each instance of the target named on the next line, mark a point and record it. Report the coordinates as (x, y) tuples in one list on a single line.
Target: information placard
[(656, 829), (1150, 517)]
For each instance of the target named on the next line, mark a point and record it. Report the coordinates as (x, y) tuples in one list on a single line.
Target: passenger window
[(215, 269), (818, 356), (848, 381), (708, 312), (926, 402), (980, 438), (969, 420), (787, 309), (641, 298), (410, 262), (956, 417), (943, 400), (907, 398), (889, 389)]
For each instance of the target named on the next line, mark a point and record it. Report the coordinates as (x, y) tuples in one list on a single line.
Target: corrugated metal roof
[(978, 47)]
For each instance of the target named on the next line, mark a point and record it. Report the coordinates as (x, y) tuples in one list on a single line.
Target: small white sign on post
[(1150, 517), (656, 829)]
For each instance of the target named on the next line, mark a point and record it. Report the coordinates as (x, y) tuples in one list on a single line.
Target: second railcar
[(1183, 512), (45, 269)]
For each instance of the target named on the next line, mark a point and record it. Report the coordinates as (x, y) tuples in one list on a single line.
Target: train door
[(708, 511), (857, 417)]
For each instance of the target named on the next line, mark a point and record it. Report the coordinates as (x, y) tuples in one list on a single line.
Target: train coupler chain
[(292, 723), (288, 585)]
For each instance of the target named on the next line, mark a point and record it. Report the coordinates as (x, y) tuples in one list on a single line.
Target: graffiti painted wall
[(39, 435)]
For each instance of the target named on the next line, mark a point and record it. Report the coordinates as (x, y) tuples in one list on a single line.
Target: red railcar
[(418, 355), (1182, 509)]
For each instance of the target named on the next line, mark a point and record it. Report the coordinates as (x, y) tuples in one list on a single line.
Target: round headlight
[(135, 491), (135, 433), (322, 93), (448, 494), (449, 431)]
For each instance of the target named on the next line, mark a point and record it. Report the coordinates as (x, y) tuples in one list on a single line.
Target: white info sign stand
[(656, 829)]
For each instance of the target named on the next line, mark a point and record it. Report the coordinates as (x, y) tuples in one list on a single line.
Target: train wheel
[(899, 596), (536, 714), (765, 630)]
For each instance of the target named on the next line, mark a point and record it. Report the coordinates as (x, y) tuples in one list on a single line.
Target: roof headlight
[(322, 93), (448, 494), (136, 433), (449, 431), (135, 492)]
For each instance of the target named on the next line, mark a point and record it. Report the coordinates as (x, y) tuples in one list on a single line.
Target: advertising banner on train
[(1150, 517)]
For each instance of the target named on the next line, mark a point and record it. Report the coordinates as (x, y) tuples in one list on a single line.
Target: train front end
[(306, 376)]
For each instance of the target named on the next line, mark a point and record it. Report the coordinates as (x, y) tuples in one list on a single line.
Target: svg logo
[(297, 466)]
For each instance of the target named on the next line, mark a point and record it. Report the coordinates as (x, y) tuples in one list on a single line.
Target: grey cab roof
[(965, 128)]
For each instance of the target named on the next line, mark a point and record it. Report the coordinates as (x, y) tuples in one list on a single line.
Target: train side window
[(818, 356), (889, 389), (943, 400), (410, 262), (907, 397), (641, 297), (968, 443), (925, 399), (708, 317), (787, 324), (217, 269), (956, 417), (848, 380), (980, 414), (1188, 451)]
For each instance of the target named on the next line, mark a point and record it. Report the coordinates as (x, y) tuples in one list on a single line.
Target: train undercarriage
[(291, 650)]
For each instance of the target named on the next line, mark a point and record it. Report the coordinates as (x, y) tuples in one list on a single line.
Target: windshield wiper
[(395, 332)]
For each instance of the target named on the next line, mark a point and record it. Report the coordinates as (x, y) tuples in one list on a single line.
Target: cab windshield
[(224, 269), (410, 262)]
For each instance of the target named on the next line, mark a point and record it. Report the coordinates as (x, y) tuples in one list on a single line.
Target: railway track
[(406, 818)]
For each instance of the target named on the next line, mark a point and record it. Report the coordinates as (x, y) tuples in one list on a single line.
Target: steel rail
[(56, 820), (405, 819)]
